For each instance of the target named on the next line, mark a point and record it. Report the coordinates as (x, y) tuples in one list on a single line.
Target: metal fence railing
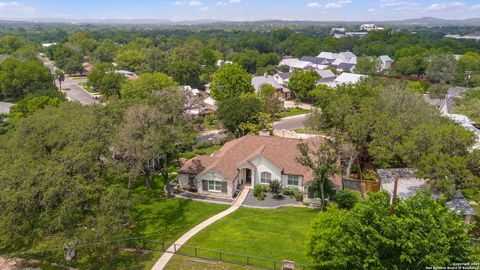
[(226, 256), (56, 256)]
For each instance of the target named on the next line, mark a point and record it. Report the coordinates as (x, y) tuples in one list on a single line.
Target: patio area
[(269, 201)]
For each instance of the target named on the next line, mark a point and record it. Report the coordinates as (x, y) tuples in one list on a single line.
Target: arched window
[(265, 177)]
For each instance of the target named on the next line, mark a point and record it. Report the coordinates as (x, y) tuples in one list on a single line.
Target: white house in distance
[(370, 27), (345, 78), (294, 63), (386, 62), (282, 91), (5, 107), (249, 160), (46, 45)]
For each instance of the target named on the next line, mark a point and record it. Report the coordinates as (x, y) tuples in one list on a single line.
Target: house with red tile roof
[(249, 160)]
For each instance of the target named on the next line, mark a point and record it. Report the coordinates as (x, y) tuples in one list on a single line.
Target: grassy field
[(276, 234), (292, 112), (179, 262)]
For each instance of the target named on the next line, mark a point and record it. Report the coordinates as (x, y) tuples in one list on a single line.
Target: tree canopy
[(420, 233), (230, 81)]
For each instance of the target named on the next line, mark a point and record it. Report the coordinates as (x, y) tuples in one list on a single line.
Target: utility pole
[(394, 195)]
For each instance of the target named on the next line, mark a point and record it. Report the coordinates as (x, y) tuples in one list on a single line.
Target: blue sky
[(237, 10)]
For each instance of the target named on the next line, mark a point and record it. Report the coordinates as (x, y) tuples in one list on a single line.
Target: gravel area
[(269, 201)]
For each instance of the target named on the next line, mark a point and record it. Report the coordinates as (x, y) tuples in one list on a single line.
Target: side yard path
[(162, 262)]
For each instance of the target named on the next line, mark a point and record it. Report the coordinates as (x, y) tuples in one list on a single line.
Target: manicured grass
[(276, 234), (204, 151), (292, 112), (179, 262), (169, 218), (166, 219)]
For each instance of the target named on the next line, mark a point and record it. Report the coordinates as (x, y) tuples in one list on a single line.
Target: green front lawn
[(292, 112), (166, 220), (169, 218), (276, 234)]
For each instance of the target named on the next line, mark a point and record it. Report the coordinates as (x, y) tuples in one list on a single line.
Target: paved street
[(71, 87), (291, 123)]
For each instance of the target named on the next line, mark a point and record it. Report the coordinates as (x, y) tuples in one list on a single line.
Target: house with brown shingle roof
[(249, 160)]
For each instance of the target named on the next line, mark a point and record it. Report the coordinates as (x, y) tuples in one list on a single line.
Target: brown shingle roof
[(196, 165), (281, 152)]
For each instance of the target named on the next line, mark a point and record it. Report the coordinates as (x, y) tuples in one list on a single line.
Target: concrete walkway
[(162, 262)]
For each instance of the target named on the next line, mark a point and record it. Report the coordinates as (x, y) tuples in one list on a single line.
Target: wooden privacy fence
[(364, 186)]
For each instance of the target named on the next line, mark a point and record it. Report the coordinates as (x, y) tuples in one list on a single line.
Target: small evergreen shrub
[(275, 188), (346, 199)]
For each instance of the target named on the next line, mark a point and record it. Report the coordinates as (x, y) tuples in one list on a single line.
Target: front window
[(215, 186), (265, 177), (293, 180)]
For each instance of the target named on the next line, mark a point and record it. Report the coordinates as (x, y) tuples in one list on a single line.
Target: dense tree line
[(382, 121)]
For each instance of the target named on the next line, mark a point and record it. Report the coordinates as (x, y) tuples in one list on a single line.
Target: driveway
[(291, 123), (71, 87)]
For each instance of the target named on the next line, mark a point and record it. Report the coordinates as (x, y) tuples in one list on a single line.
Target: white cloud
[(195, 3), (335, 4), (192, 3), (443, 6), (475, 7), (314, 5), (227, 2), (396, 5), (204, 9), (15, 6)]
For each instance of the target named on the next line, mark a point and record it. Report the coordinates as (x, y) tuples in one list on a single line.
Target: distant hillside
[(425, 21)]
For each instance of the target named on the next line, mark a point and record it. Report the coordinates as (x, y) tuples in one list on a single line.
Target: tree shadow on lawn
[(154, 214)]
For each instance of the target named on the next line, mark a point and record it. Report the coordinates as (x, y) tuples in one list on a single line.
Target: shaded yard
[(167, 220), (276, 234)]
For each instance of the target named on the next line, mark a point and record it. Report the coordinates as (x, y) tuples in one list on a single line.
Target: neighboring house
[(337, 30), (193, 91), (283, 77), (343, 61), (346, 78), (281, 90), (128, 74), (370, 27), (326, 76), (46, 45), (449, 101), (386, 62), (249, 160), (446, 105), (220, 63), (294, 63), (317, 62), (461, 206), (355, 34), (465, 122), (5, 107), (408, 185)]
